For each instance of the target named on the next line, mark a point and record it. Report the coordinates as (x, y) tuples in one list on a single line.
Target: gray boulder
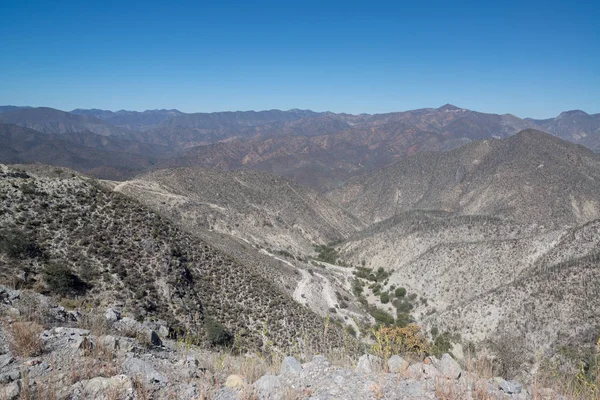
[(290, 365), (112, 315), (102, 388), (447, 367), (368, 364), (510, 387), (269, 387), (11, 391), (135, 367), (397, 364)]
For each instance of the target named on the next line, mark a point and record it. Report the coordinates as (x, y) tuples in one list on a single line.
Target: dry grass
[(25, 339)]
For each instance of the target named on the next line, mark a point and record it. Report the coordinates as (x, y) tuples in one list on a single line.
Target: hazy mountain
[(325, 151), (321, 150), (220, 120), (132, 120), (575, 126), (532, 177), (49, 120), (11, 108), (102, 156)]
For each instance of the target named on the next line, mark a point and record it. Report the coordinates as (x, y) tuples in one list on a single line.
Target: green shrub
[(385, 298), (217, 334), (18, 244), (381, 317), (400, 292), (404, 319), (61, 280), (442, 344), (350, 329)]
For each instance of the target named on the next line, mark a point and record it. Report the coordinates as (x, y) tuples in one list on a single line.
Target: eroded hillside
[(69, 235)]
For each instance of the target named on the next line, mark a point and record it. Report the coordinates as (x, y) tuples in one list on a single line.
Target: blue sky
[(528, 58)]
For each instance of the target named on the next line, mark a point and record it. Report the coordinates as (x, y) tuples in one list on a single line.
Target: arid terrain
[(483, 235)]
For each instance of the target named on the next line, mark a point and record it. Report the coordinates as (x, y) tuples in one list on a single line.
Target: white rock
[(368, 364), (290, 365), (397, 364), (447, 367)]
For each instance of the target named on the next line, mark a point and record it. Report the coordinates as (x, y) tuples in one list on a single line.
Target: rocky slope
[(260, 208), (530, 177), (69, 235), (88, 353), (484, 278)]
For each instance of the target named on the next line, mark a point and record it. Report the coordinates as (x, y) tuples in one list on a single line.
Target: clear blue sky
[(529, 58)]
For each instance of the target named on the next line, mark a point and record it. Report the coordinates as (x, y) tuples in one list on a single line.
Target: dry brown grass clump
[(25, 339)]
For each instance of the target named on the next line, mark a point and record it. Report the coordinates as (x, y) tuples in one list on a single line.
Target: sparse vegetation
[(25, 338)]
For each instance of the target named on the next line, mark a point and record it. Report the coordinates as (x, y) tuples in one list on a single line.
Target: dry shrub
[(398, 340), (25, 339)]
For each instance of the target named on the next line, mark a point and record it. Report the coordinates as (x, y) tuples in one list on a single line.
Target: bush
[(350, 329), (403, 319), (25, 339), (398, 340), (61, 280), (217, 334), (385, 298), (17, 244), (400, 292), (381, 317), (442, 344)]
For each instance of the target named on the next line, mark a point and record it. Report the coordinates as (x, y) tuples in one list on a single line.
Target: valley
[(481, 241)]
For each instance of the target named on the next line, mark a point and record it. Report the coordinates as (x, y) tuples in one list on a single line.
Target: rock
[(153, 338), (7, 295), (397, 364), (447, 367), (415, 370), (269, 387), (101, 388), (62, 331), (290, 365), (10, 391), (85, 345), (510, 387), (368, 364), (112, 315), (6, 359), (430, 372), (163, 331), (10, 376), (31, 363), (134, 367), (235, 382), (319, 359)]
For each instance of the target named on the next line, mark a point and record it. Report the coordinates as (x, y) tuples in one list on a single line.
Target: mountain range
[(320, 150), (489, 224)]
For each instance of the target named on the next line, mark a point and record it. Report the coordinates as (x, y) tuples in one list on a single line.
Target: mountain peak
[(449, 107), (573, 113)]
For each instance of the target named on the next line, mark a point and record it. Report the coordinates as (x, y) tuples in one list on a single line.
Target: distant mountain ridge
[(515, 178), (319, 149)]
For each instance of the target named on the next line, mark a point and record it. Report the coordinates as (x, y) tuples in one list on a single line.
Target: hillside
[(260, 208), (67, 235), (517, 178)]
